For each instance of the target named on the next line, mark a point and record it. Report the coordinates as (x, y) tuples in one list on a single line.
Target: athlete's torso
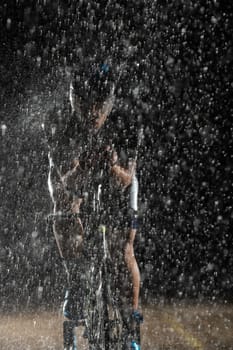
[(93, 180)]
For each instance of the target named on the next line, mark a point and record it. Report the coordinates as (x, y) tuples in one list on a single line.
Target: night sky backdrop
[(176, 81)]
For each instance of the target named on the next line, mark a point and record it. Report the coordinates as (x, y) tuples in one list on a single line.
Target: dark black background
[(177, 82)]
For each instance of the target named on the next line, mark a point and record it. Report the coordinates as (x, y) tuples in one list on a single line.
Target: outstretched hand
[(111, 155), (114, 158), (132, 166)]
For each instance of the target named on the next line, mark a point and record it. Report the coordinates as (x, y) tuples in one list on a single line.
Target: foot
[(137, 316), (135, 346)]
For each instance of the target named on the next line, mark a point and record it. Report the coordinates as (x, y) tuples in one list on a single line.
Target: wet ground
[(175, 327)]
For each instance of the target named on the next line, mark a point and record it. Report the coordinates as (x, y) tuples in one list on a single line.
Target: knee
[(129, 252), (66, 304), (69, 309)]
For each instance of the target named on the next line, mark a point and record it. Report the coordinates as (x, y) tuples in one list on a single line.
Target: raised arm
[(71, 172)]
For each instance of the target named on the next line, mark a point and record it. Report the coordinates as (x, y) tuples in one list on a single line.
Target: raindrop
[(8, 23), (214, 20), (34, 234), (38, 61), (3, 127), (40, 292)]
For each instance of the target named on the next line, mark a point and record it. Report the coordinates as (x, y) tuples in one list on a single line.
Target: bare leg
[(133, 267)]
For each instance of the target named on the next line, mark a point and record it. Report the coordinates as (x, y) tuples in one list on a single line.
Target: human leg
[(73, 306), (70, 342), (68, 324), (73, 317), (129, 248), (132, 266)]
